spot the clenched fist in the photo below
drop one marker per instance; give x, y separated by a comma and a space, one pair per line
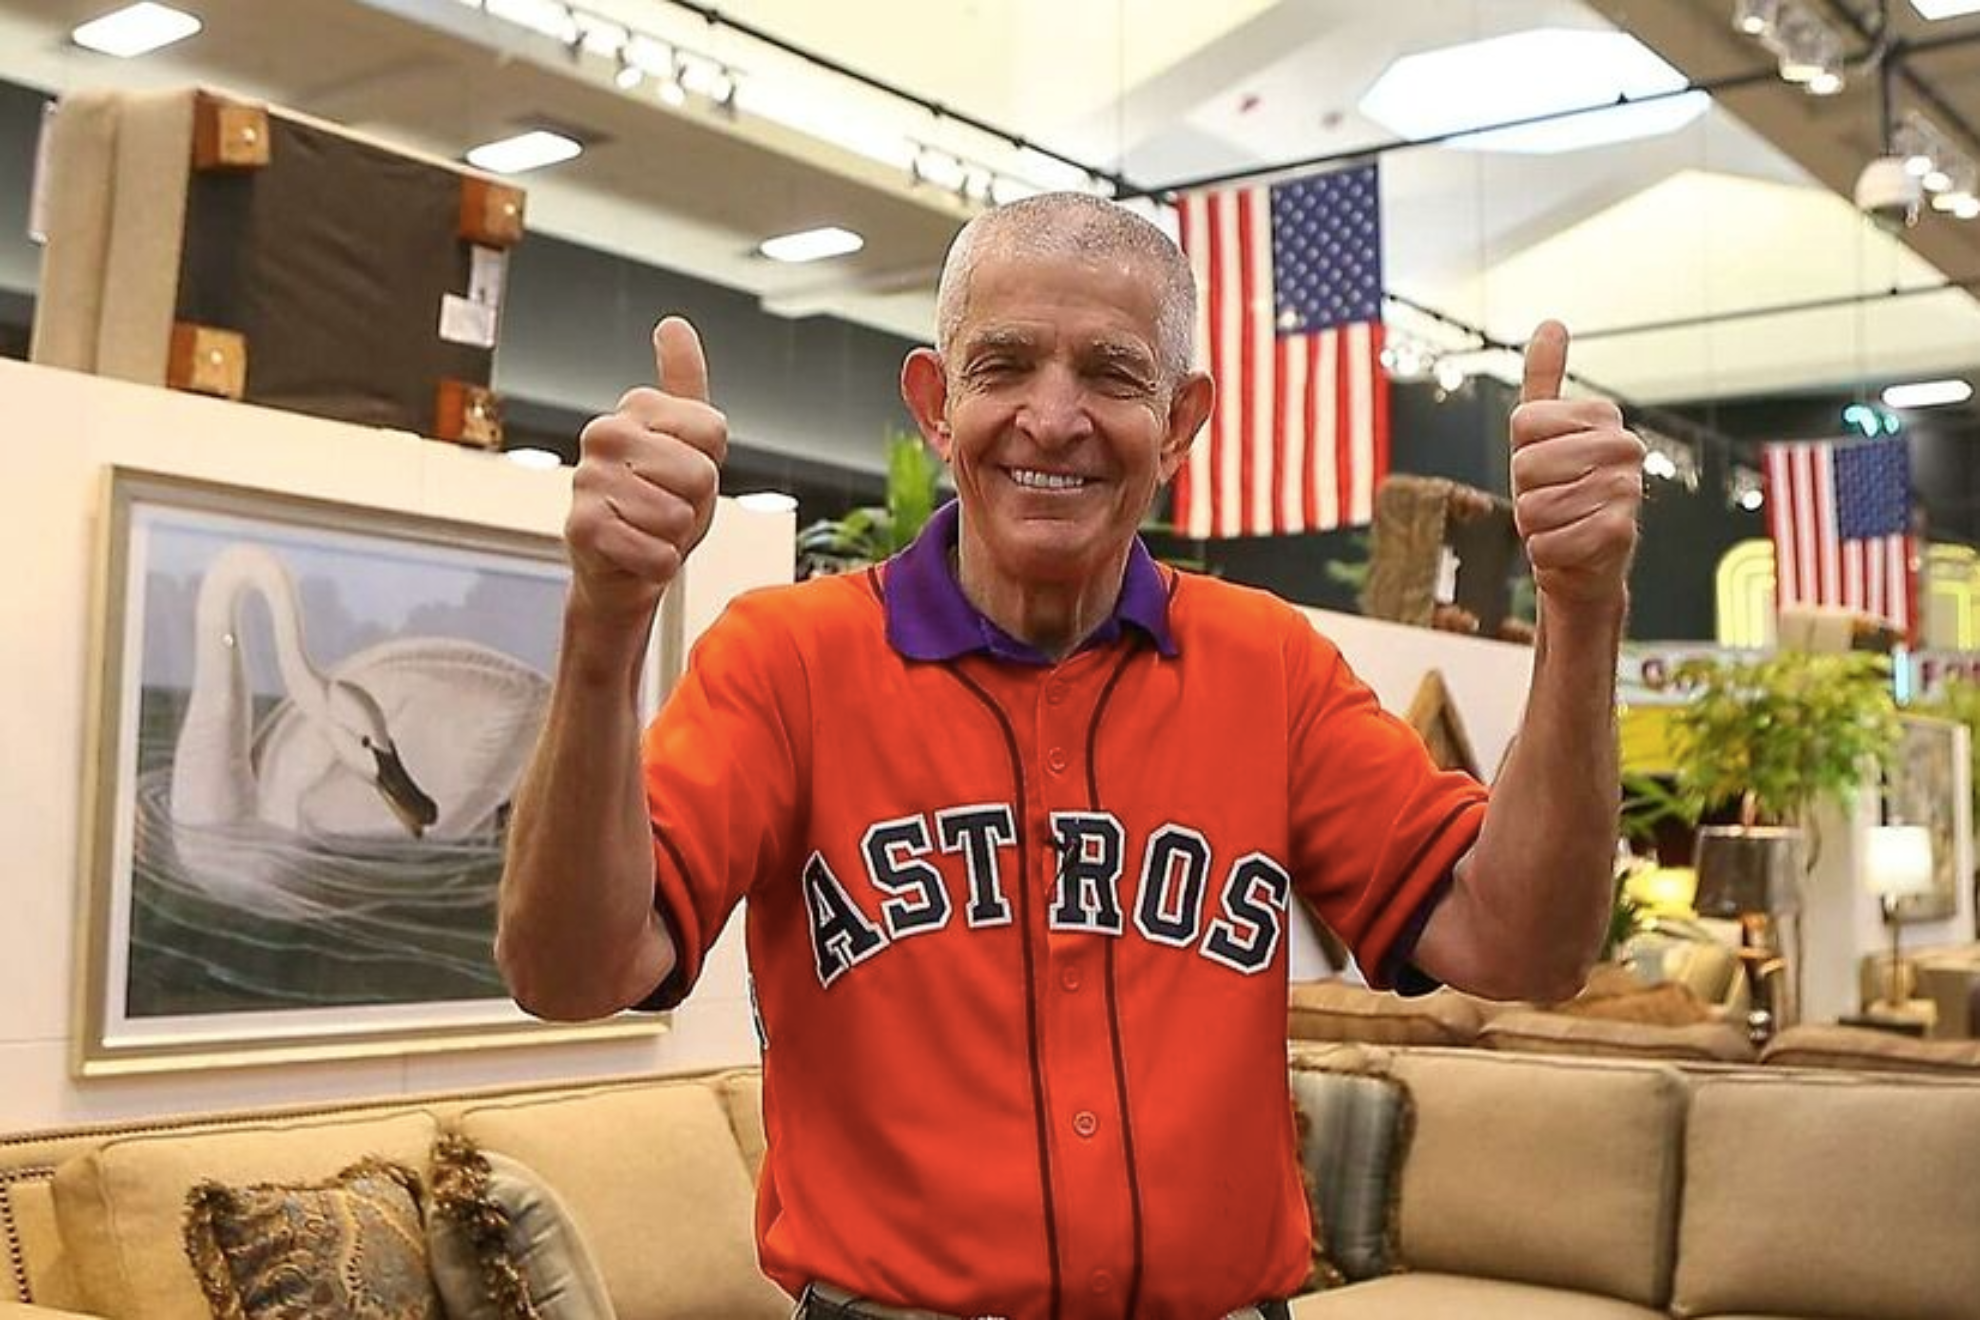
647, 474
1577, 482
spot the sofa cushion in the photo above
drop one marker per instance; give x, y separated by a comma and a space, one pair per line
1450, 1297
1530, 1032
120, 1206
1831, 1197
1816, 1045
654, 1175
1336, 1010
1619, 997
504, 1245
1352, 1142
347, 1248
37, 1263
1551, 1171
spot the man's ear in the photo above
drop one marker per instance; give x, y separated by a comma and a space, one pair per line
925, 391
1189, 408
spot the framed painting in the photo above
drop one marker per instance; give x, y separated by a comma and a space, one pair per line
1927, 784
309, 721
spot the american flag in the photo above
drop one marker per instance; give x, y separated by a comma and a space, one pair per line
1290, 325
1841, 519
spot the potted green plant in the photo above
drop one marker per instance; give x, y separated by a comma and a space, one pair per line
872, 533
1766, 740
1774, 736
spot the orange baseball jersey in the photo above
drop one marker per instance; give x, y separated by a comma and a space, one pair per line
1017, 930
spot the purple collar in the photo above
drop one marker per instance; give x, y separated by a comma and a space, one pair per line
929, 618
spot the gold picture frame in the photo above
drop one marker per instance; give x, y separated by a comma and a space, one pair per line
306, 721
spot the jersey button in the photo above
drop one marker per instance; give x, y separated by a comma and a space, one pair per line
1101, 1281
1069, 978
1085, 1123
1055, 693
1056, 760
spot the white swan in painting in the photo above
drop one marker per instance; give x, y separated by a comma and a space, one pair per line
415, 737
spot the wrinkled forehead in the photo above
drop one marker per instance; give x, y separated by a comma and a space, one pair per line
1106, 301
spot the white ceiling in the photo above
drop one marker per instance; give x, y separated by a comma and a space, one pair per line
1711, 218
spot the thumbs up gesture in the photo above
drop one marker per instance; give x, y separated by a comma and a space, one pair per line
1577, 482
647, 473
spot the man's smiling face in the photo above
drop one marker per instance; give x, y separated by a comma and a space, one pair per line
1058, 413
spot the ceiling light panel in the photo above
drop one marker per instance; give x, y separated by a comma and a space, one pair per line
525, 151
812, 245
135, 30
1529, 74
1945, 8
1928, 394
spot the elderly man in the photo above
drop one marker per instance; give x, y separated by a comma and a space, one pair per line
1021, 814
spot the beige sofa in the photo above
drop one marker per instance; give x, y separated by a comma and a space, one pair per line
660, 1172
1336, 1011
1534, 1187
1539, 1187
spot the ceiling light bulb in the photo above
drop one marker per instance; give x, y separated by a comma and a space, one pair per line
1755, 17
768, 501
1450, 376
135, 30
1918, 166
1826, 83
1967, 208
525, 151
1928, 393
1752, 498
672, 92
627, 77
540, 459
1658, 464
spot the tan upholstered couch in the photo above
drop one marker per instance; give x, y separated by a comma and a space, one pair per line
1335, 1011
1543, 1187
1535, 1187
659, 1171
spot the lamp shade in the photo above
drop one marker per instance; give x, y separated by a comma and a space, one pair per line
1897, 861
1747, 869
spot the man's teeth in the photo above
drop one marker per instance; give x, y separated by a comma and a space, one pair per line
1046, 480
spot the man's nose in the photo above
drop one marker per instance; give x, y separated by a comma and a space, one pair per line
1055, 409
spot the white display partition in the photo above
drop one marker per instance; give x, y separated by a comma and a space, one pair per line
1487, 682
1839, 918
61, 433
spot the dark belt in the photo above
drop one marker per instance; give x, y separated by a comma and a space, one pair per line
813, 1306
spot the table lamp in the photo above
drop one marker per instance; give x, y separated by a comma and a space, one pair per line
1897, 864
1752, 873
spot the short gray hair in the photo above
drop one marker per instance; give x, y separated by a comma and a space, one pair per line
1065, 224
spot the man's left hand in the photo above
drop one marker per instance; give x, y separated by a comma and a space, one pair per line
1577, 482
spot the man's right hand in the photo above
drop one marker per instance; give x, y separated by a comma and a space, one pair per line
644, 492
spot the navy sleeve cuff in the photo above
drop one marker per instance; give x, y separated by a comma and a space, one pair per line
1398, 970
671, 991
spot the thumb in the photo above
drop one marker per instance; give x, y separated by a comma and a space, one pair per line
678, 361
1546, 362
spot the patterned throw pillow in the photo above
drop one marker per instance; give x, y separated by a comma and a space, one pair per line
351, 1248
503, 1244
1354, 1134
